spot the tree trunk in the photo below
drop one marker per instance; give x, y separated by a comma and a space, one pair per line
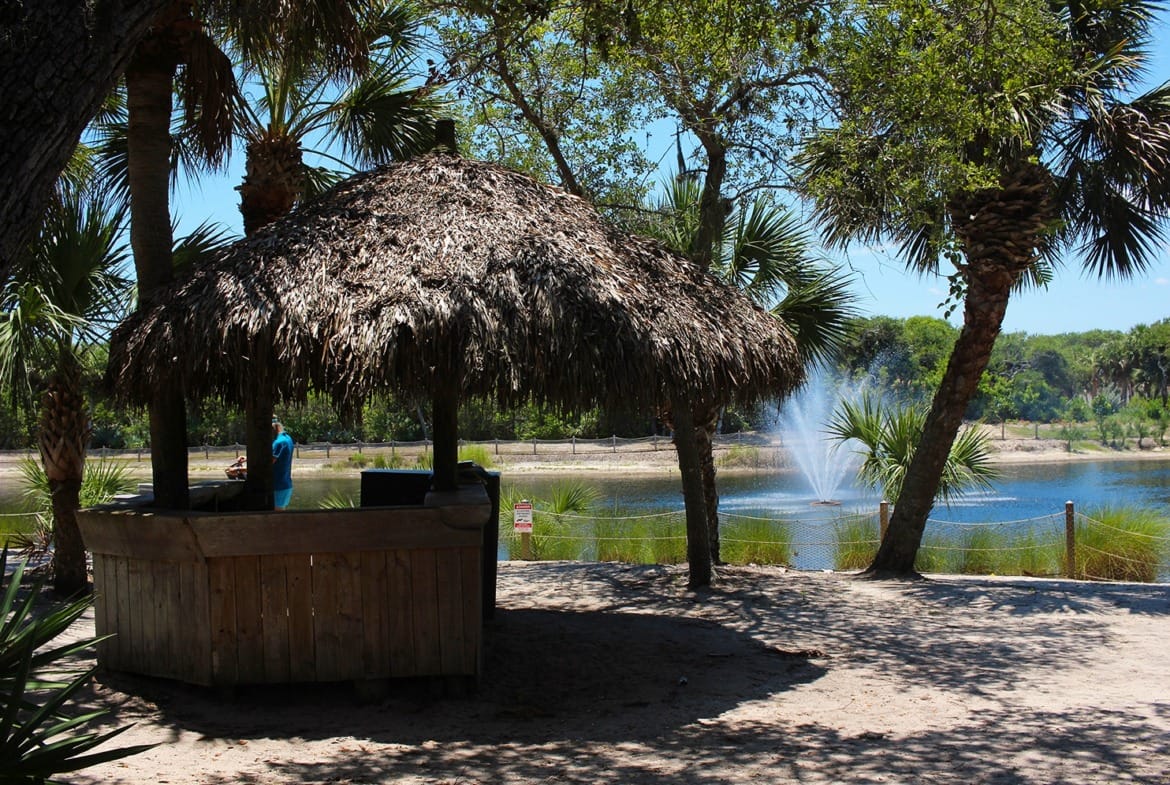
62, 436
274, 180
706, 420
58, 60
1000, 231
690, 467
149, 82
983, 316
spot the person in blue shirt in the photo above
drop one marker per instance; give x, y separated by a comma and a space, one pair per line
282, 455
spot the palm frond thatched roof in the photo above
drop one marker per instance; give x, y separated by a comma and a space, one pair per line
447, 271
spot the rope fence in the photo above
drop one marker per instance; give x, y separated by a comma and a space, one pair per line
758, 449
1068, 544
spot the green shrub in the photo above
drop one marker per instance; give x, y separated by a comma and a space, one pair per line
1121, 544
740, 456
479, 454
102, 481
358, 461
855, 543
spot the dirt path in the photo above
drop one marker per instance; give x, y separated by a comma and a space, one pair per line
607, 673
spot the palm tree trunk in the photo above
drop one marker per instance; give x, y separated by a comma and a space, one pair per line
1000, 230
63, 434
148, 92
983, 316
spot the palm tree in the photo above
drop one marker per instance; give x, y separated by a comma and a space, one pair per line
888, 436
375, 115
1027, 145
764, 251
181, 45
67, 293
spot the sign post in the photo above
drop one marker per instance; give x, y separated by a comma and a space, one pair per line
522, 524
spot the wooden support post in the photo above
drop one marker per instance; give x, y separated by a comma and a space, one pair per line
526, 546
446, 442
1070, 540
884, 517
258, 406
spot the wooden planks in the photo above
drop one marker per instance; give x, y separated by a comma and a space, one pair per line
286, 615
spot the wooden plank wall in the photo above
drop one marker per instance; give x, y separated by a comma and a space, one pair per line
345, 616
153, 612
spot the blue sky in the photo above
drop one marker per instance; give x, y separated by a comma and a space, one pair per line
1072, 303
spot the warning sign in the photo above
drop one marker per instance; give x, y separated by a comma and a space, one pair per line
522, 517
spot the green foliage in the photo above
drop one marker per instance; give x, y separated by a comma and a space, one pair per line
39, 734
855, 542
478, 454
1121, 544
740, 456
103, 480
753, 540
888, 437
338, 500
571, 496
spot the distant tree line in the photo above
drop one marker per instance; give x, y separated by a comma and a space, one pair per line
1111, 385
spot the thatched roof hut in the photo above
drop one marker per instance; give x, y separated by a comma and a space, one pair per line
447, 273
448, 278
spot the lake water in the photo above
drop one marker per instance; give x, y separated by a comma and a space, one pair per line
1024, 491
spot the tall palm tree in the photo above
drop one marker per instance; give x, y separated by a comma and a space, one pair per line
181, 44
67, 292
1025, 146
764, 251
375, 115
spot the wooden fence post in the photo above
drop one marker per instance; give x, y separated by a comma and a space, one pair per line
1070, 540
883, 517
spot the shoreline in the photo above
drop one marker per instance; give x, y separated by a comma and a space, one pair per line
557, 459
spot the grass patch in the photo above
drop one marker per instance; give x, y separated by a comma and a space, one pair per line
1121, 544
855, 543
752, 540
740, 456
478, 454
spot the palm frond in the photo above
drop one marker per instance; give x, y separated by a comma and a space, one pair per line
819, 312
199, 244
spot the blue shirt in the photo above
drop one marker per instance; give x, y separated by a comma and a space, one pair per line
282, 455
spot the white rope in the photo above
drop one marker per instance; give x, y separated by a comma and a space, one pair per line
1127, 532
1051, 518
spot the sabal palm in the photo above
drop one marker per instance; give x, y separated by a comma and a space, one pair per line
765, 252
67, 292
888, 436
1065, 163
374, 115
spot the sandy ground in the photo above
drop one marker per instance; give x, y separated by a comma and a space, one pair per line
607, 673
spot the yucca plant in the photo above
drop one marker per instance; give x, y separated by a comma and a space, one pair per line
38, 736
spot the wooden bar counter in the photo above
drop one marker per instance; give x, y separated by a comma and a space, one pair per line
291, 596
